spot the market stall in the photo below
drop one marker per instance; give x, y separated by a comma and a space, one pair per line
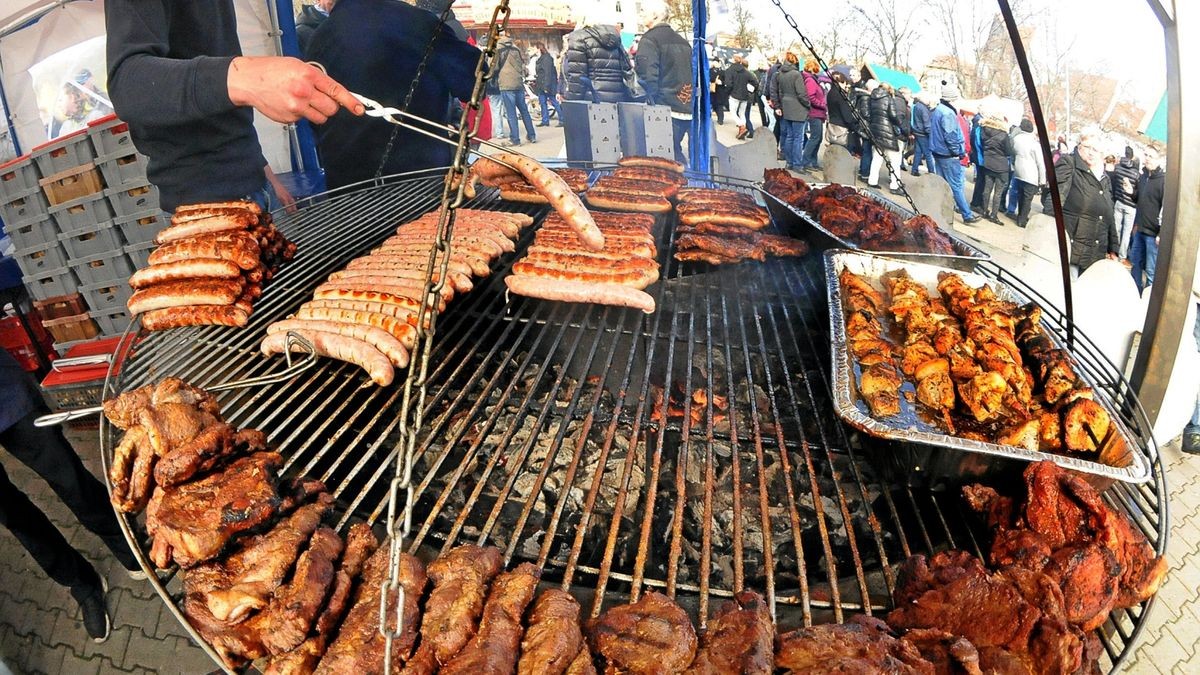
646, 392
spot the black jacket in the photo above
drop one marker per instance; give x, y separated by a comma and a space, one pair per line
1127, 169
307, 22
921, 115
862, 99
546, 81
996, 148
168, 66
596, 53
664, 68
1149, 201
1087, 211
373, 47
738, 78
883, 120
902, 113
838, 105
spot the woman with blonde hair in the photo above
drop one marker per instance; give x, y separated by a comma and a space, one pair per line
817, 114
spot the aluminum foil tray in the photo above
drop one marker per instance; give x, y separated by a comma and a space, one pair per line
908, 425
966, 254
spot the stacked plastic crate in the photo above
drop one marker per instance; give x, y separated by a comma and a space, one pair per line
83, 217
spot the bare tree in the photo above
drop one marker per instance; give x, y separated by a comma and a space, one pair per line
681, 15
892, 27
841, 39
745, 35
978, 43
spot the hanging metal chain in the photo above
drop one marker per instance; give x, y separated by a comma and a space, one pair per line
862, 125
412, 88
399, 523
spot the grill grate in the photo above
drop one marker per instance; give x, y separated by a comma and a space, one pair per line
694, 450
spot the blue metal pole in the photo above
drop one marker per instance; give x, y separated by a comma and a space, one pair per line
305, 140
698, 145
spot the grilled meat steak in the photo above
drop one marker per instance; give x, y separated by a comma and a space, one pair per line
553, 637
740, 639
861, 645
191, 523
948, 654
123, 410
460, 583
652, 635
206, 450
285, 622
359, 646
494, 648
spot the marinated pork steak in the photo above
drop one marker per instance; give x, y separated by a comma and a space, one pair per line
652, 635
861, 645
493, 650
553, 637
740, 639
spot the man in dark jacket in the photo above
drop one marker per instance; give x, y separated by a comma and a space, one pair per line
374, 47
920, 129
996, 148
1143, 247
546, 83
902, 99
664, 67
309, 19
742, 85
596, 66
838, 106
862, 97
1087, 203
1124, 186
196, 122
720, 92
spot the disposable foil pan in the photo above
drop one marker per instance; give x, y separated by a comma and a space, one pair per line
965, 256
908, 425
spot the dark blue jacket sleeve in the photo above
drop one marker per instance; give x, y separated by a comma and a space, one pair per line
147, 87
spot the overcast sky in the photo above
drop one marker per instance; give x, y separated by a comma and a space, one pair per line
1123, 34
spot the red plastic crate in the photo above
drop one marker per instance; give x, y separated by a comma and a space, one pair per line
15, 341
81, 386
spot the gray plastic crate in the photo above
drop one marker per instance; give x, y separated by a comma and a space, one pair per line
122, 168
17, 177
136, 199
111, 137
24, 207
41, 258
78, 214
40, 231
92, 240
112, 321
106, 294
64, 153
141, 227
103, 267
51, 284
139, 254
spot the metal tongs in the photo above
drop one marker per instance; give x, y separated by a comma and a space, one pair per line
373, 108
293, 368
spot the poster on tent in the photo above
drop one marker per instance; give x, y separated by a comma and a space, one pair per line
70, 87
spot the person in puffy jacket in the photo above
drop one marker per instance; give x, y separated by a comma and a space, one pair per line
862, 98
664, 67
995, 149
1028, 168
838, 109
921, 113
1087, 203
817, 114
743, 86
794, 104
884, 122
596, 66
1143, 248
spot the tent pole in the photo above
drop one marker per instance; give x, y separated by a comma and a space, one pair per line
701, 127
300, 134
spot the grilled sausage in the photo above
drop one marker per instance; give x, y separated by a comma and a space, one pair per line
458, 282
398, 328
245, 205
411, 261
651, 162
566, 290
368, 296
494, 240
184, 293
211, 225
376, 337
211, 212
564, 244
608, 256
586, 262
649, 173
461, 229
638, 279
460, 261
625, 201
632, 233
647, 186
562, 199
237, 247
339, 347
198, 315
197, 268
389, 285
405, 314
483, 249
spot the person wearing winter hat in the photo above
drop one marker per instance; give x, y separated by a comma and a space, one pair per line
948, 146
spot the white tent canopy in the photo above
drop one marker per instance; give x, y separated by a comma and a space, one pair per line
66, 23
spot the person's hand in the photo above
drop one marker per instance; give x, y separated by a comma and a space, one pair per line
281, 192
286, 89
